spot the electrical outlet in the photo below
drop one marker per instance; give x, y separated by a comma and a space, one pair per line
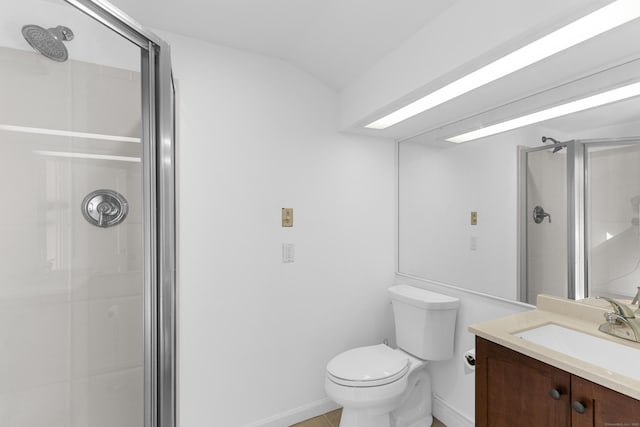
287, 217
474, 218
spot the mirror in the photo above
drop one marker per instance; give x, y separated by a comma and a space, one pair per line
441, 185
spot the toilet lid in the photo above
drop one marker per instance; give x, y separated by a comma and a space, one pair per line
368, 366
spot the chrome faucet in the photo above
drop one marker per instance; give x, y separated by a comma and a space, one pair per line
636, 300
621, 322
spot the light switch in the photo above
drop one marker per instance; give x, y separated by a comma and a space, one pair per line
288, 252
473, 243
287, 217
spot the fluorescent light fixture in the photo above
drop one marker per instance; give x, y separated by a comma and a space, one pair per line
604, 19
608, 97
56, 132
75, 155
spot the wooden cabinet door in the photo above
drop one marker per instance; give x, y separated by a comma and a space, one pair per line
513, 390
603, 407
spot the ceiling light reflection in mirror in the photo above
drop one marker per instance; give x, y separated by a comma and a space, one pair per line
587, 27
583, 104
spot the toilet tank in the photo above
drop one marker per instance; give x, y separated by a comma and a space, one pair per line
425, 321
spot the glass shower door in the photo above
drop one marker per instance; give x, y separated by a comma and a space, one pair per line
588, 198
612, 209
72, 247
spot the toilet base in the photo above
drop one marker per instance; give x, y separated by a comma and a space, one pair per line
351, 418
362, 418
414, 410
425, 422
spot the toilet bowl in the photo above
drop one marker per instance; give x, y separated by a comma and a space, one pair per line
371, 382
379, 386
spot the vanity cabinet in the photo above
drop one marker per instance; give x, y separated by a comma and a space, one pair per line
516, 390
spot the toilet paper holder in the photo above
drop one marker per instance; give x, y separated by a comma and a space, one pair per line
470, 360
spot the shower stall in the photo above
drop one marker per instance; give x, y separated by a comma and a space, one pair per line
579, 206
87, 266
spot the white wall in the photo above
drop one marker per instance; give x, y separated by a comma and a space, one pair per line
438, 189
257, 135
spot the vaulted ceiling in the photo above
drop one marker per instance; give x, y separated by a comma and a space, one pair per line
380, 54
334, 40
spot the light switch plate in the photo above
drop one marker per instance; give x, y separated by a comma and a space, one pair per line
288, 253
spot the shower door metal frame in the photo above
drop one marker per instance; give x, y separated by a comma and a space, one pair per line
158, 139
578, 262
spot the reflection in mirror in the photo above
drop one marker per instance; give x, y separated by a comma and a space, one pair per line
438, 190
441, 185
543, 264
613, 204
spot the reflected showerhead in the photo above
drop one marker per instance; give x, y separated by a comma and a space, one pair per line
48, 42
553, 141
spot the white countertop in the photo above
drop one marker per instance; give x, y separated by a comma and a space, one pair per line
583, 316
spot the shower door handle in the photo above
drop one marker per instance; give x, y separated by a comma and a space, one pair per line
539, 214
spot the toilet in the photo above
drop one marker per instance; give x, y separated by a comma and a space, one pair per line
379, 386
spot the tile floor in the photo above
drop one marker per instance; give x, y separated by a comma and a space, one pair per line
332, 419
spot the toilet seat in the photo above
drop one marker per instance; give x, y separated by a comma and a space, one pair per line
369, 366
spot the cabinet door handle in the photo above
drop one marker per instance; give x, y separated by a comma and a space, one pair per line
555, 393
578, 407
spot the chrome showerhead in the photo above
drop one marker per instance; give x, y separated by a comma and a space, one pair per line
48, 42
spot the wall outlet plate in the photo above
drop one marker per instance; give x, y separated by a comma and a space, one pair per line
287, 217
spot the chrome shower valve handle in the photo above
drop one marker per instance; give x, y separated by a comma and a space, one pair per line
105, 208
539, 215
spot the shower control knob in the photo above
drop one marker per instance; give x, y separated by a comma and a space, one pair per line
105, 208
539, 215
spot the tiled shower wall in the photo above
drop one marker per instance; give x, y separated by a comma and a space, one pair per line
71, 305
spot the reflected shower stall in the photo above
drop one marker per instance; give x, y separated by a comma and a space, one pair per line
579, 219
88, 245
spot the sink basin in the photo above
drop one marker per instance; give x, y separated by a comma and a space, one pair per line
609, 355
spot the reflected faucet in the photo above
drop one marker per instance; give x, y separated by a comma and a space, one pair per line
636, 301
621, 322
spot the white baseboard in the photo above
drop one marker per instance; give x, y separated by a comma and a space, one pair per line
449, 416
296, 415
441, 410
